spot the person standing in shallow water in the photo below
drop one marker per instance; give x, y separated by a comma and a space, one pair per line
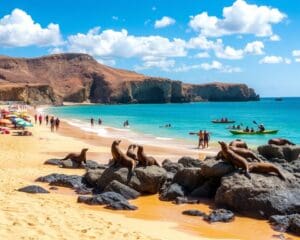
92, 122
99, 121
206, 138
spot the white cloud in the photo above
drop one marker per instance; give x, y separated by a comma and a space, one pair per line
240, 18
215, 65
19, 30
225, 52
296, 53
202, 55
161, 63
255, 48
164, 22
110, 43
275, 38
274, 60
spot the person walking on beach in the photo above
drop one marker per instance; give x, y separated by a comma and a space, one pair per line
35, 118
206, 138
52, 124
99, 121
92, 122
40, 119
57, 122
47, 120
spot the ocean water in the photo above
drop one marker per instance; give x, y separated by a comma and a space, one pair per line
145, 119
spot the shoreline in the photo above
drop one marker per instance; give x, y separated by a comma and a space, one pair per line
22, 162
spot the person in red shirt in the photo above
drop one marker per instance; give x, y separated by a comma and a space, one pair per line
40, 119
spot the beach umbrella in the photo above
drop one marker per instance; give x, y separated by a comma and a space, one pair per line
24, 124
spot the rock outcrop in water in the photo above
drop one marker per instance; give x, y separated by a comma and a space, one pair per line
78, 78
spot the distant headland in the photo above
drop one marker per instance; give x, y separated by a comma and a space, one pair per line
74, 77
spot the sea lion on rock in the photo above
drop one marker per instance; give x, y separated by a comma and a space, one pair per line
265, 168
238, 143
145, 160
280, 142
130, 152
78, 158
235, 159
119, 158
246, 153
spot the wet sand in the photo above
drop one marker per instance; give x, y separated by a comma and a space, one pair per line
58, 216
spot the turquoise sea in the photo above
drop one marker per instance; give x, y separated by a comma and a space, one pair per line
145, 119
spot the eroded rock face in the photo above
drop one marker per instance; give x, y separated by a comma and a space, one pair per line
189, 178
219, 215
289, 223
172, 192
78, 77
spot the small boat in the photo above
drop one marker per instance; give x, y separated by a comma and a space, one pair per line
218, 121
278, 99
236, 132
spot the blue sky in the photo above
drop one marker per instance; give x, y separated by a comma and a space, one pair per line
197, 41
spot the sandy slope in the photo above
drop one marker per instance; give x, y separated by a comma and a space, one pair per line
57, 215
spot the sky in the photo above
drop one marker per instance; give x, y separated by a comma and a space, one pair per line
256, 42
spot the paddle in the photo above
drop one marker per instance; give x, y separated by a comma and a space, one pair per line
255, 122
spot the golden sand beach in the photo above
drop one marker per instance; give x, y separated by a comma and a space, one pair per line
58, 216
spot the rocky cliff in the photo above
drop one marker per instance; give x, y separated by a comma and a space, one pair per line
78, 78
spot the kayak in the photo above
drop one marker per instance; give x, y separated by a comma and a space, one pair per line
217, 121
235, 132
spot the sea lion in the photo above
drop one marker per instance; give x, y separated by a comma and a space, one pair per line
145, 160
265, 168
130, 151
235, 159
246, 153
119, 158
280, 142
78, 158
238, 143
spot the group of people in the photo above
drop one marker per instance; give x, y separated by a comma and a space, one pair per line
203, 138
92, 120
54, 122
260, 127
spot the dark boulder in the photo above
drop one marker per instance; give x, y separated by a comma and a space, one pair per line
262, 195
283, 223
207, 189
219, 215
121, 206
189, 162
33, 189
111, 199
151, 179
185, 200
172, 192
92, 176
63, 180
53, 161
193, 213
122, 189
214, 168
189, 178
172, 167
289, 153
146, 180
